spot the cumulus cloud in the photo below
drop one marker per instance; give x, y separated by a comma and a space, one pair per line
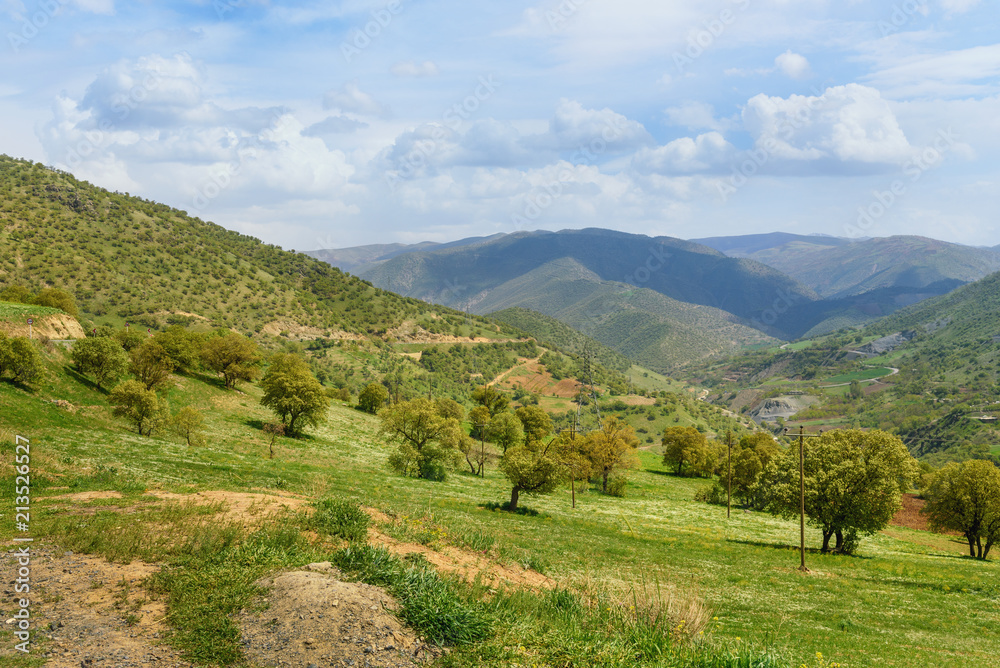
408, 68
849, 123
706, 152
352, 99
793, 65
696, 116
574, 128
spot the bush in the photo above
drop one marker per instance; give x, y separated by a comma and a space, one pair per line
616, 486
714, 494
340, 517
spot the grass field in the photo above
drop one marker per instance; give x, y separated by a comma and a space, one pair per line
907, 599
860, 374
18, 312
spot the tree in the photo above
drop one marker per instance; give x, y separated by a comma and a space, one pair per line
454, 437
17, 294
853, 483
372, 398
479, 417
233, 356
131, 400
130, 338
182, 346
534, 469
101, 356
20, 358
965, 497
150, 364
685, 445
493, 399
536, 423
293, 393
187, 424
611, 448
505, 430
418, 429
449, 408
56, 298
274, 430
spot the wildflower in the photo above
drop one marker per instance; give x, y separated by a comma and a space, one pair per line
819, 655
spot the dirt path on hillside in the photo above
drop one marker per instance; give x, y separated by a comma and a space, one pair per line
521, 362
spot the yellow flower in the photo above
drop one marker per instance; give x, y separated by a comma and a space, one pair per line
819, 655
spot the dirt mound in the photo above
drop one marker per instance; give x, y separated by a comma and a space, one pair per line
94, 613
59, 326
310, 618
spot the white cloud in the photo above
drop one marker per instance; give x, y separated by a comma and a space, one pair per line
793, 65
706, 152
958, 73
574, 127
352, 99
696, 116
846, 124
408, 68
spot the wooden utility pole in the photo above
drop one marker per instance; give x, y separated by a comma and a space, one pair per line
802, 495
729, 482
572, 471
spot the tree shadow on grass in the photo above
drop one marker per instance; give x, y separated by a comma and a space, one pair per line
83, 380
786, 546
505, 507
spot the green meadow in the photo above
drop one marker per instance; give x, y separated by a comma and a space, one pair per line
909, 598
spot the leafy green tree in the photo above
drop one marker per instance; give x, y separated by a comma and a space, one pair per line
56, 298
493, 399
424, 447
372, 398
293, 393
536, 423
130, 338
150, 364
233, 356
102, 357
611, 449
505, 430
20, 358
132, 401
479, 417
449, 408
17, 294
965, 497
685, 445
187, 423
182, 346
854, 481
534, 469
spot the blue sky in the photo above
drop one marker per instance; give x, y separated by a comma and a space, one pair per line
331, 124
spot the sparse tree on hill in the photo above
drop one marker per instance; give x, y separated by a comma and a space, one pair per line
56, 298
187, 424
965, 497
273, 430
131, 400
505, 430
854, 481
101, 356
233, 356
372, 398
534, 469
611, 449
293, 393
424, 449
686, 445
182, 346
20, 358
150, 364
536, 423
449, 408
493, 399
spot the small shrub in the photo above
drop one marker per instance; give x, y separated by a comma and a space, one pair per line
342, 518
714, 494
617, 485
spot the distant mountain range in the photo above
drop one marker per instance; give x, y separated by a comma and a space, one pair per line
665, 301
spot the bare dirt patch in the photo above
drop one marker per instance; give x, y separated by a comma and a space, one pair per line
87, 612
58, 326
244, 508
296, 331
311, 618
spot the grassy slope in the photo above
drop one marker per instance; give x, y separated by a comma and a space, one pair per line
127, 258
906, 600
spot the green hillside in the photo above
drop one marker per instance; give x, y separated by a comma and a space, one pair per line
127, 259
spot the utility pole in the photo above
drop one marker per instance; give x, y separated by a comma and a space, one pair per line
729, 467
802, 495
